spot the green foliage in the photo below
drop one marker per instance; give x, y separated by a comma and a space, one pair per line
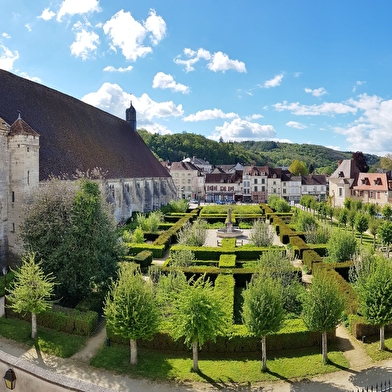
31, 289
278, 204
341, 246
261, 234
182, 258
298, 168
385, 233
149, 222
71, 230
263, 312
227, 261
224, 288
304, 221
193, 234
387, 211
197, 313
361, 224
180, 205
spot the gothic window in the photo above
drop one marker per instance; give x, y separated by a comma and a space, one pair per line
13, 196
28, 177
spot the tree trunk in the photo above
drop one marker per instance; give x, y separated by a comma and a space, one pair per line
263, 354
133, 348
324, 347
195, 354
33, 325
382, 340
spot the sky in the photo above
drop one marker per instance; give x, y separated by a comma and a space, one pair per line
298, 71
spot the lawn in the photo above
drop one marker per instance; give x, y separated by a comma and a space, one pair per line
49, 341
372, 347
239, 368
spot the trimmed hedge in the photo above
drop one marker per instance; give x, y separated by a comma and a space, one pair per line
293, 336
158, 251
227, 261
359, 328
144, 259
62, 319
224, 289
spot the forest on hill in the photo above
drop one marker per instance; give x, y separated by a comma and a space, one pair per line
178, 146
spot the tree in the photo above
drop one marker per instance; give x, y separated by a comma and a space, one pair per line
263, 312
261, 234
371, 209
343, 217
341, 246
361, 225
31, 290
374, 288
360, 161
193, 234
197, 316
373, 229
323, 306
130, 309
351, 219
298, 167
387, 211
385, 233
386, 162
71, 229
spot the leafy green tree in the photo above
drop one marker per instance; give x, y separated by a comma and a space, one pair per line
386, 162
385, 233
180, 205
263, 312
298, 167
371, 209
197, 316
150, 222
374, 288
31, 290
341, 246
348, 203
387, 211
260, 234
373, 229
351, 219
131, 310
360, 160
71, 230
361, 225
343, 217
323, 306
283, 206
306, 201
304, 221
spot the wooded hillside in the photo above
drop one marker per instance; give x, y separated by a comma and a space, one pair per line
275, 154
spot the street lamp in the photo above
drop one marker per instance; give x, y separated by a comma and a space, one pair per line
10, 379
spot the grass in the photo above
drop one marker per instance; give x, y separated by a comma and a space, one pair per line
239, 368
48, 341
372, 348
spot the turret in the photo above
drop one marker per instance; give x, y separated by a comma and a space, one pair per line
130, 116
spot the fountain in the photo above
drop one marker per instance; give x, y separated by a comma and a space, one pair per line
229, 231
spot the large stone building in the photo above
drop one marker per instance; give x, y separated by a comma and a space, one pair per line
44, 132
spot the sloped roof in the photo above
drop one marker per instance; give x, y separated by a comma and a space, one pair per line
347, 169
75, 135
372, 181
223, 178
183, 166
314, 179
20, 127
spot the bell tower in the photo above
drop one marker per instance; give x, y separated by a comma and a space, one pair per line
130, 116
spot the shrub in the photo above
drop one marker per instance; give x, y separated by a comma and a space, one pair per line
341, 246
261, 234
227, 261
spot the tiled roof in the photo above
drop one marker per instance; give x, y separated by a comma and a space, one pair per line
314, 179
75, 135
20, 127
183, 166
373, 181
223, 178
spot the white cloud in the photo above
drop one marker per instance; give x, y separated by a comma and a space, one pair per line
357, 84
7, 58
326, 108
165, 81
47, 14
296, 125
33, 78
128, 34
194, 57
77, 7
221, 62
274, 82
111, 98
28, 27
86, 43
239, 130
5, 35
317, 92
110, 68
254, 117
218, 61
210, 114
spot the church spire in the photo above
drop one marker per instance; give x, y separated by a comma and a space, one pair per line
130, 116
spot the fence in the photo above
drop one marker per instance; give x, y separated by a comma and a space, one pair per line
382, 387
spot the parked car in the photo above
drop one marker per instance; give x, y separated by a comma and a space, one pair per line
220, 202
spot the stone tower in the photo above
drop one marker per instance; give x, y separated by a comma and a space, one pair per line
23, 153
130, 116
4, 186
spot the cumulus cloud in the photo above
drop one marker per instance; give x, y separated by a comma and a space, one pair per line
33, 78
47, 14
110, 68
210, 114
357, 84
274, 82
317, 92
7, 58
86, 43
254, 117
221, 62
165, 81
128, 35
217, 61
77, 7
111, 98
240, 130
296, 125
5, 35
326, 108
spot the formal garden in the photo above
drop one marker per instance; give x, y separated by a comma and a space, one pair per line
177, 308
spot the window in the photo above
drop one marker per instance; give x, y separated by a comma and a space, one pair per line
274, 183
340, 192
255, 180
263, 180
371, 194
284, 191
13, 196
28, 177
263, 188
28, 149
255, 189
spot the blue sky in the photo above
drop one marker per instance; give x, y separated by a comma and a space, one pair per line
301, 71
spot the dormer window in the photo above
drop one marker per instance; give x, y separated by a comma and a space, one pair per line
341, 174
